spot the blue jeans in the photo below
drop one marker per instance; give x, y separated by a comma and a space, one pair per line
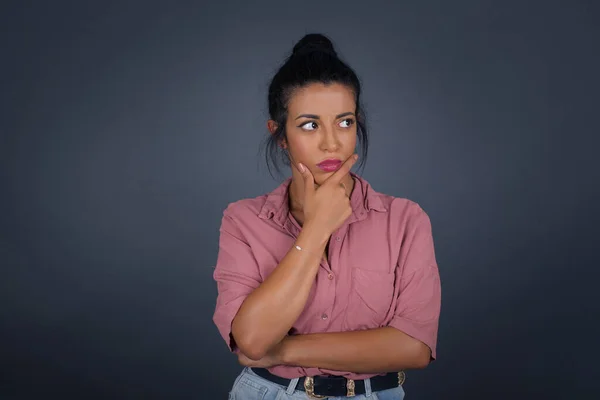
249, 386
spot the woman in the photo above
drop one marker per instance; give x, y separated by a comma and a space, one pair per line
325, 286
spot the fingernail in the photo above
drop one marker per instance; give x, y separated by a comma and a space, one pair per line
301, 167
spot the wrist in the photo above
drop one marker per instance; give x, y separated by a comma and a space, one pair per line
286, 351
314, 236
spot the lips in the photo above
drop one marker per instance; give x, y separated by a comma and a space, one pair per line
330, 165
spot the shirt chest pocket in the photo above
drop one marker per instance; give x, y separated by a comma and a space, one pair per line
370, 299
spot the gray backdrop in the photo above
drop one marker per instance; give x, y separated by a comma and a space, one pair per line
127, 127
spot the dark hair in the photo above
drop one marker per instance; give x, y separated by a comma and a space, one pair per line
313, 60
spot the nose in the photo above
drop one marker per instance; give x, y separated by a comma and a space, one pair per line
329, 140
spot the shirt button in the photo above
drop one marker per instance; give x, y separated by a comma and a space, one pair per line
324, 316
330, 276
337, 239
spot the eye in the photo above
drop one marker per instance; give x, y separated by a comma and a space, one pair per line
309, 126
349, 122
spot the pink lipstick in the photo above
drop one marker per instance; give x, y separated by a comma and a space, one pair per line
330, 165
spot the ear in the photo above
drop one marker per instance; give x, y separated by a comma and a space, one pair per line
272, 126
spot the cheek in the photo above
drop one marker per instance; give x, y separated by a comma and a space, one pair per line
350, 140
300, 146
300, 152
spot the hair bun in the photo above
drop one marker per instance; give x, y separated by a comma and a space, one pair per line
314, 42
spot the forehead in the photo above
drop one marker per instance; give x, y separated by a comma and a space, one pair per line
321, 99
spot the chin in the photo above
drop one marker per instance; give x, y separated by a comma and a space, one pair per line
319, 180
321, 176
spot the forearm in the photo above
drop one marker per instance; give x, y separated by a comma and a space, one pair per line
269, 312
371, 351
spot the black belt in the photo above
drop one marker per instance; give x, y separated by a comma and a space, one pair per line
335, 386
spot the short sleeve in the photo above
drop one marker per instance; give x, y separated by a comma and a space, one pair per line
236, 274
418, 301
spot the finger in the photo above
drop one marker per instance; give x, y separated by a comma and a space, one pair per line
309, 180
345, 190
338, 175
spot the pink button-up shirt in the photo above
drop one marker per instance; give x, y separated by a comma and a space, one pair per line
382, 269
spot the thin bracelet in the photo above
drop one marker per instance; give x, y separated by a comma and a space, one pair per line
301, 249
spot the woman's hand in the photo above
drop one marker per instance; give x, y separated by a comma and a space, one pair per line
329, 204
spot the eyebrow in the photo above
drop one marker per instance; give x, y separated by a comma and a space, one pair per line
313, 116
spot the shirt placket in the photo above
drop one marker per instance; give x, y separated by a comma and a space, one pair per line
328, 276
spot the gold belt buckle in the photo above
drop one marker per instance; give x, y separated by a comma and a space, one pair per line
350, 386
309, 387
401, 378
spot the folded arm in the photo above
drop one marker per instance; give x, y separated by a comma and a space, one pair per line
408, 341
369, 351
252, 315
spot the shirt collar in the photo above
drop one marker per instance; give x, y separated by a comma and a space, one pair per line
362, 200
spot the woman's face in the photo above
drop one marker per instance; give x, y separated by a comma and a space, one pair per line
321, 128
